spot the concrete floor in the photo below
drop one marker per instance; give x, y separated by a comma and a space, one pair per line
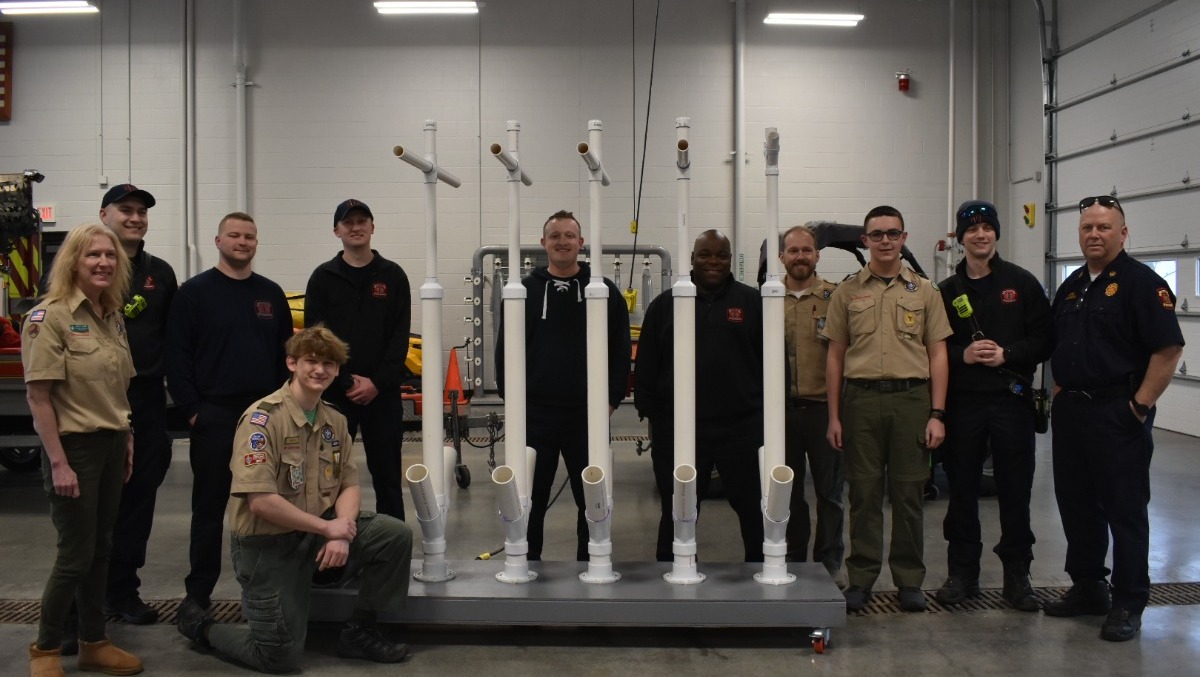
987, 642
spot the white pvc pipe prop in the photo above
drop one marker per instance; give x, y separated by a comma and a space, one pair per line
425, 165
684, 500
775, 521
683, 305
506, 492
592, 160
510, 163
424, 498
596, 293
773, 292
683, 566
595, 497
433, 525
449, 460
514, 514
779, 493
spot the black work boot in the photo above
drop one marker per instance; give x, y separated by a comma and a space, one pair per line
957, 589
362, 641
1018, 591
1091, 598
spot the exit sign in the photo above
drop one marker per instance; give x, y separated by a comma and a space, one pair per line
47, 213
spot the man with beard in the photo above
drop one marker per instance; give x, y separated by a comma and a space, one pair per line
806, 309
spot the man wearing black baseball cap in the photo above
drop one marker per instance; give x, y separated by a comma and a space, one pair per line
365, 299
124, 209
1002, 332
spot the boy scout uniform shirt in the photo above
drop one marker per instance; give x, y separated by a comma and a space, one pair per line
887, 326
277, 451
804, 319
86, 356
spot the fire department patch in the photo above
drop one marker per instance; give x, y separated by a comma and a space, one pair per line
379, 290
735, 315
1008, 296
263, 310
1164, 297
149, 283
1111, 290
254, 458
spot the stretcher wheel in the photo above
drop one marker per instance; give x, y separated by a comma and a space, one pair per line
820, 639
462, 475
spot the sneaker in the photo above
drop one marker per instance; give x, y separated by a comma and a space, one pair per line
358, 641
956, 590
1121, 625
911, 599
1091, 598
132, 610
194, 621
857, 597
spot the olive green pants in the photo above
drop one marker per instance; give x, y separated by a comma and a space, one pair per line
276, 572
883, 434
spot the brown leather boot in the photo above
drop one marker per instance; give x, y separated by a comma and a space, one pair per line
103, 657
47, 663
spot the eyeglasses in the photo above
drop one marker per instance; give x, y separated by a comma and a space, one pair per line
1106, 201
892, 235
966, 214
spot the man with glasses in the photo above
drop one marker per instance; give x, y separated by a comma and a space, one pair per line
365, 300
729, 391
1117, 345
887, 332
1002, 332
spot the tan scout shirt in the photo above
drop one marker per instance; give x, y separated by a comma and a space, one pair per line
803, 320
277, 451
887, 327
87, 358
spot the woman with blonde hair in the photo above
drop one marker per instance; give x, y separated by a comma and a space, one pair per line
77, 370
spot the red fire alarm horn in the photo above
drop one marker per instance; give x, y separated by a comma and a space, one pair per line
903, 80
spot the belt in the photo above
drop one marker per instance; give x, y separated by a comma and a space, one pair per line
804, 403
895, 385
1106, 393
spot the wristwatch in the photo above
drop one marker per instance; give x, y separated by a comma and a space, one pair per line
1142, 410
939, 414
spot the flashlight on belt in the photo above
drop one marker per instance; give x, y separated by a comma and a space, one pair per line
135, 306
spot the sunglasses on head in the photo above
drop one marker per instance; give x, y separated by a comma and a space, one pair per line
1106, 201
966, 214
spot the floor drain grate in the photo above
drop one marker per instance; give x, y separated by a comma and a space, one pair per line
28, 612
483, 440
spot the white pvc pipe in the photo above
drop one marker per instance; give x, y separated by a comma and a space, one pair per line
433, 525
683, 305
739, 138
424, 164
775, 521
514, 514
191, 252
779, 491
597, 496
773, 292
596, 294
683, 568
239, 124
424, 498
950, 166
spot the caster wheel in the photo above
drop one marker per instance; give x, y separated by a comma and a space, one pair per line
819, 645
462, 475
820, 639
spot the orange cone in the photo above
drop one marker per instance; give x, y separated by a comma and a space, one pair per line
453, 380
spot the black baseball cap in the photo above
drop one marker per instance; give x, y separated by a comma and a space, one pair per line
124, 191
346, 207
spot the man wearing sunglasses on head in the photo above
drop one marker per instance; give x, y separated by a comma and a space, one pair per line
1002, 332
887, 332
1117, 345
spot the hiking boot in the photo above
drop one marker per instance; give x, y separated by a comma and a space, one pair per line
103, 657
956, 590
1121, 625
911, 599
45, 662
132, 610
193, 622
1091, 598
857, 597
1018, 591
358, 641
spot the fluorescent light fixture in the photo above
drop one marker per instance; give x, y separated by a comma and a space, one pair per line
450, 7
791, 19
49, 7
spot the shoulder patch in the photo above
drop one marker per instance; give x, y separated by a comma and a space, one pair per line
259, 419
1164, 297
38, 315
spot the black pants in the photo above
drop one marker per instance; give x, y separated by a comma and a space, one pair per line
1102, 483
973, 422
211, 449
807, 422
553, 431
381, 423
151, 461
738, 467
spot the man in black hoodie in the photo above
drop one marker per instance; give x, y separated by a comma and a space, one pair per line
365, 300
729, 391
556, 369
1002, 332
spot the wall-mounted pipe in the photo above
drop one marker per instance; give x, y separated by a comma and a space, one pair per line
952, 129
191, 251
241, 164
739, 138
775, 520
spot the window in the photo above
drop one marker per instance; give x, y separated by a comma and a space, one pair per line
1165, 270
1067, 269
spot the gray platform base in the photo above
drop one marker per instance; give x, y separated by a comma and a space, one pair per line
729, 597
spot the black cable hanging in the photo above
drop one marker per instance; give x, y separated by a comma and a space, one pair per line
637, 209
